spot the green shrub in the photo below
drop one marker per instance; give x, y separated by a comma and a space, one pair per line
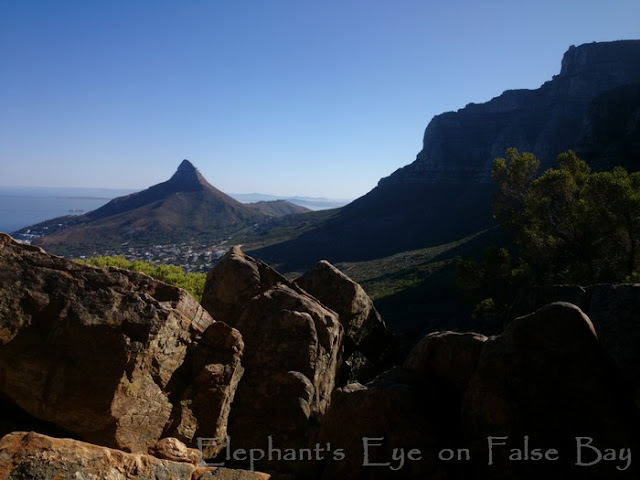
171, 274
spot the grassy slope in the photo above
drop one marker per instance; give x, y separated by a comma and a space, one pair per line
416, 290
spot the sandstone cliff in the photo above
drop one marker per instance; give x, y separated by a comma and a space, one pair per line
460, 146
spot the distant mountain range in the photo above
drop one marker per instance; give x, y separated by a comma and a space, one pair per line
184, 208
312, 203
592, 106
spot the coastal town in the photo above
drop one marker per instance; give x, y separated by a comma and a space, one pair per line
191, 257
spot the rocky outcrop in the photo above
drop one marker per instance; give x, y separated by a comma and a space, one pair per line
37, 457
449, 356
114, 356
235, 280
416, 406
394, 411
612, 308
365, 330
547, 377
460, 146
545, 382
293, 348
119, 359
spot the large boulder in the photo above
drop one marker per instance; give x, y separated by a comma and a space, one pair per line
293, 346
235, 280
292, 356
450, 356
114, 356
364, 328
368, 426
613, 310
413, 407
547, 378
545, 383
203, 388
34, 456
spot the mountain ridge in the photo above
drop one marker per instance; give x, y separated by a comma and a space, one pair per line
445, 193
553, 114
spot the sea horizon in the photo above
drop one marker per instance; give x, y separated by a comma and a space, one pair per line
22, 206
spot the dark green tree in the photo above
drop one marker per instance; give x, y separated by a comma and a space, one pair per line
513, 176
553, 229
492, 283
613, 202
570, 226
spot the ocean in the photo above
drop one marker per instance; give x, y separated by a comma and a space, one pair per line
24, 206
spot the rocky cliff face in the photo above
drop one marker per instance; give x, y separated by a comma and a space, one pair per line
460, 146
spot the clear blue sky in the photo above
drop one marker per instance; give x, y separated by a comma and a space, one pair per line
306, 97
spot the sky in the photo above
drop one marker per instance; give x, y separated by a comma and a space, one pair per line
285, 97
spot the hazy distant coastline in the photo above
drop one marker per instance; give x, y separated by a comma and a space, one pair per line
312, 203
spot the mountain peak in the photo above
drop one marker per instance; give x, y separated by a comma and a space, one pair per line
187, 177
186, 166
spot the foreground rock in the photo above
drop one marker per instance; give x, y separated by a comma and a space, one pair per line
293, 350
113, 356
548, 377
613, 309
448, 356
235, 280
413, 407
170, 448
293, 345
38, 457
365, 330
546, 382
368, 422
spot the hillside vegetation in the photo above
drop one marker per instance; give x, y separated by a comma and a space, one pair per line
171, 274
570, 225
